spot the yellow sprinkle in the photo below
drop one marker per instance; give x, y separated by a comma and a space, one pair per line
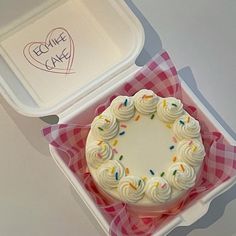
182, 167
144, 178
194, 148
169, 126
174, 159
137, 117
132, 186
126, 171
107, 120
115, 142
100, 142
147, 96
164, 103
187, 119
100, 116
156, 184
112, 170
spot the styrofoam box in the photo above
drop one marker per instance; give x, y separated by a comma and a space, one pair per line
65, 58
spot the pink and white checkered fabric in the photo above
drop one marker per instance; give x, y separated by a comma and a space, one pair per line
220, 163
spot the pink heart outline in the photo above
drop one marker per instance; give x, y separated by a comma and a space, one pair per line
31, 59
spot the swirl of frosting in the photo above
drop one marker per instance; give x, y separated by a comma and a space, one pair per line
110, 173
145, 101
131, 189
98, 153
169, 109
186, 127
158, 189
191, 151
122, 107
181, 176
105, 126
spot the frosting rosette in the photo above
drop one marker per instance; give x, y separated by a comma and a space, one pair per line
122, 107
145, 101
105, 126
191, 151
110, 173
181, 176
158, 189
131, 189
98, 153
186, 127
169, 109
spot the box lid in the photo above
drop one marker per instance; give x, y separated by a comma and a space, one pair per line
59, 51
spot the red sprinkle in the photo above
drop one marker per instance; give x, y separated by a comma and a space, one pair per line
114, 150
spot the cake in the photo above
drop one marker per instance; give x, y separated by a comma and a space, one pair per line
145, 150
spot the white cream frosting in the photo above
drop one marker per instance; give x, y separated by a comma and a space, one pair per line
105, 126
122, 107
181, 178
131, 189
145, 101
186, 127
158, 189
110, 173
169, 109
191, 151
98, 153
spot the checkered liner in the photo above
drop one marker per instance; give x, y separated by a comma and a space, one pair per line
160, 76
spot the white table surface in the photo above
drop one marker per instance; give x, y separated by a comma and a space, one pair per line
36, 198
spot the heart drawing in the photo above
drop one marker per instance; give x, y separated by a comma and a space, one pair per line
55, 54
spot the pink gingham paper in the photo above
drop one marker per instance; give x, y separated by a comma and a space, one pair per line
219, 165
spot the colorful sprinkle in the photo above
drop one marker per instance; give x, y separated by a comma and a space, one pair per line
132, 186
171, 147
190, 142
115, 142
162, 174
152, 172
181, 122
120, 105
116, 175
174, 159
114, 150
100, 128
188, 119
174, 139
137, 117
126, 101
99, 155
121, 157
113, 170
100, 116
108, 121
147, 96
144, 178
164, 103
122, 133
182, 167
169, 126
156, 184
139, 182
127, 171
173, 104
163, 186
152, 116
99, 143
194, 148
174, 173
123, 126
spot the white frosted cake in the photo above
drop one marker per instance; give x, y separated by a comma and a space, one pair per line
145, 150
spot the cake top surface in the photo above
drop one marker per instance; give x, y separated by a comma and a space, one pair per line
144, 149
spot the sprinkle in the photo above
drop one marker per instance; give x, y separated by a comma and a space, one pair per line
132, 186
100, 116
156, 184
174, 158
190, 142
147, 96
123, 126
114, 150
116, 175
152, 172
121, 157
125, 103
169, 126
100, 142
174, 139
164, 103
100, 128
139, 182
144, 178
115, 142
127, 171
194, 148
107, 121
188, 119
120, 105
182, 167
163, 186
174, 173
99, 155
137, 117
122, 133
152, 116
162, 174
172, 147
181, 122
113, 170
173, 104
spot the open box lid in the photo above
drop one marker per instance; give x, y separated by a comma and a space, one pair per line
58, 52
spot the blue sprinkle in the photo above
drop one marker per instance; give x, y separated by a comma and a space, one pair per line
152, 172
126, 101
116, 175
181, 122
122, 133
172, 147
